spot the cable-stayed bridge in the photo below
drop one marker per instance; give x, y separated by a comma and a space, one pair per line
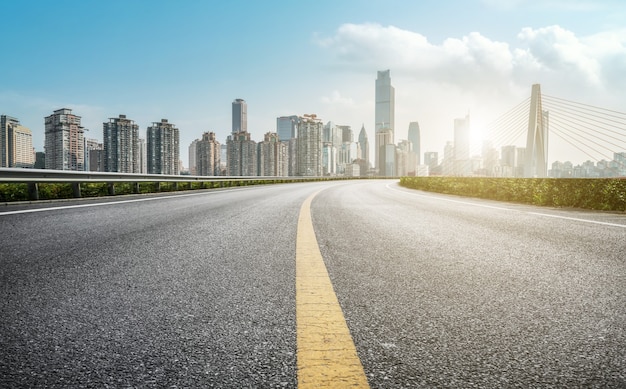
517, 142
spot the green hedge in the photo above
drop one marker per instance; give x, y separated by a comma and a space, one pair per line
600, 194
52, 191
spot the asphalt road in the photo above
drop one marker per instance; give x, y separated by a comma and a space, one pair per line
198, 290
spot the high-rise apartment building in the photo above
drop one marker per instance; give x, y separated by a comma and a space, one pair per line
309, 146
240, 116
64, 143
384, 120
143, 156
208, 155
121, 145
287, 130
193, 148
94, 155
241, 154
16, 144
272, 156
163, 153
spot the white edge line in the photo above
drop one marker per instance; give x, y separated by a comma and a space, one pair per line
110, 202
509, 209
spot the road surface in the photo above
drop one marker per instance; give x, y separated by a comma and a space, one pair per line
199, 289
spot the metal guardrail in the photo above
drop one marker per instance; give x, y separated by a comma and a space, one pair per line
33, 177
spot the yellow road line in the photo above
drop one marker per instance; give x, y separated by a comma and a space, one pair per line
327, 357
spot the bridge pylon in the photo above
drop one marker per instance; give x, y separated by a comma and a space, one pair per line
536, 163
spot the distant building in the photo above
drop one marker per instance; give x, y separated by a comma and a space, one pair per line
208, 155
406, 164
241, 155
353, 170
431, 159
384, 121
240, 116
287, 127
414, 138
346, 150
16, 144
309, 146
389, 152
192, 157
287, 130
94, 155
143, 156
64, 142
40, 160
120, 137
447, 164
272, 156
385, 153
331, 141
163, 148
364, 147
462, 164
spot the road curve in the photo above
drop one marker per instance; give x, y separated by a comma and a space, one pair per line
198, 290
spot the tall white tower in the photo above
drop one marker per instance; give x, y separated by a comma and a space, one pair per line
536, 164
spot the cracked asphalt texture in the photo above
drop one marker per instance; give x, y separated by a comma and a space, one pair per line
199, 291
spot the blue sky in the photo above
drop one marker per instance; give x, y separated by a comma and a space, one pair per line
188, 60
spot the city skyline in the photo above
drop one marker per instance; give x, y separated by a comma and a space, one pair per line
482, 58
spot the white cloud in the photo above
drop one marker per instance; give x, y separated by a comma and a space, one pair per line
559, 50
477, 62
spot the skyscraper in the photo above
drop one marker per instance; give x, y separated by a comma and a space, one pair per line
240, 116
385, 120
364, 146
16, 144
287, 127
309, 146
65, 143
121, 145
414, 138
208, 154
163, 148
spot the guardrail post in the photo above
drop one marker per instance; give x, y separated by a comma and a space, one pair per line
76, 189
136, 187
33, 191
176, 186
157, 187
111, 188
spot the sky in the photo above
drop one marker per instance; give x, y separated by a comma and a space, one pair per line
188, 60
